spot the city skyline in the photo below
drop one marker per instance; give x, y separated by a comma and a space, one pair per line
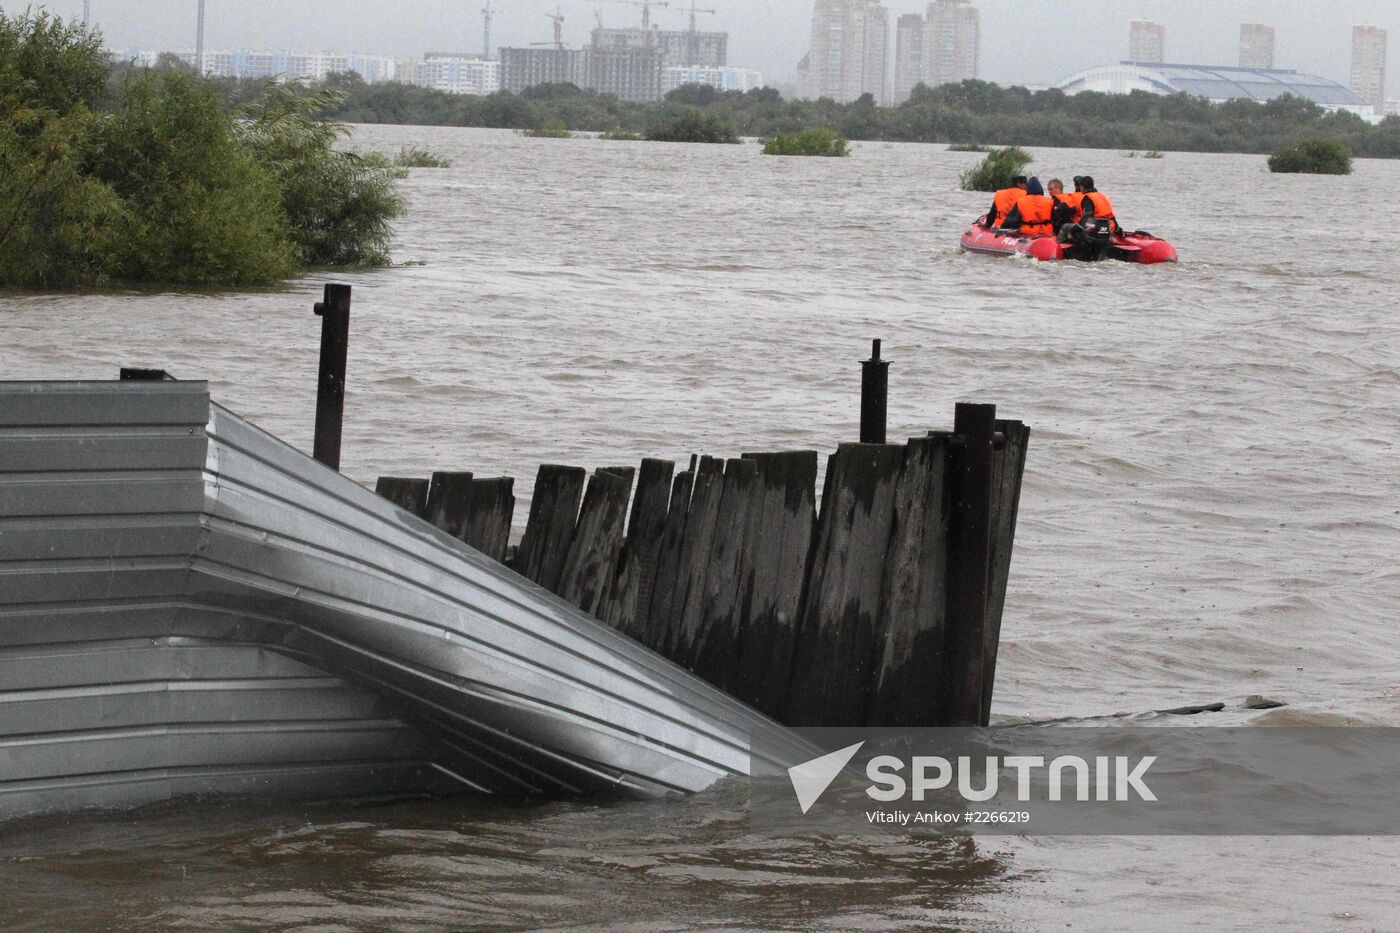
768, 35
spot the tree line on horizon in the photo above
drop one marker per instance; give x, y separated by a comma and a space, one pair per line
969, 112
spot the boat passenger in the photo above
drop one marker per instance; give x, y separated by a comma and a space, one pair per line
1097, 205
1066, 205
1003, 201
1034, 212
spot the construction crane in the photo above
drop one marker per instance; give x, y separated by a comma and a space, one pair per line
199, 42
87, 12
692, 48
486, 14
646, 6
558, 17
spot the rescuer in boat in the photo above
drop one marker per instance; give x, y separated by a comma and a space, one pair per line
1067, 209
1097, 205
1033, 213
1003, 201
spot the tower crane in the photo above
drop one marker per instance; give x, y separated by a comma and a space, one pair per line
486, 14
646, 6
558, 17
692, 49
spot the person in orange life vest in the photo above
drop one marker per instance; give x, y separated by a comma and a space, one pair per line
1004, 200
1097, 205
1066, 205
1033, 213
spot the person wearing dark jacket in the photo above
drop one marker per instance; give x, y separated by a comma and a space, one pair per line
1003, 201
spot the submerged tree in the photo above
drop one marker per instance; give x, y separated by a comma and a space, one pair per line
167, 184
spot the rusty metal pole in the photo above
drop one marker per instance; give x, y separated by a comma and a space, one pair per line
334, 311
874, 396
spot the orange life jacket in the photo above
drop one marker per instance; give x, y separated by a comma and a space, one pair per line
1002, 203
1036, 211
1075, 199
1103, 207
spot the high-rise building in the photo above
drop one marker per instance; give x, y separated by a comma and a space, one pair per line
527, 67
625, 73
460, 73
1256, 46
722, 78
1145, 42
1368, 64
951, 42
680, 47
908, 56
850, 51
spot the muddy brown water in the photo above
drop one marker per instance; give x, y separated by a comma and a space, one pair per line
1212, 508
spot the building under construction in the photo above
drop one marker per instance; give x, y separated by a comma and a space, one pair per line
679, 47
627, 63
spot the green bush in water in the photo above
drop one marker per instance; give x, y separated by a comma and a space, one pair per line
1313, 156
340, 205
996, 171
691, 126
550, 129
413, 157
168, 185
618, 134
967, 147
197, 208
813, 141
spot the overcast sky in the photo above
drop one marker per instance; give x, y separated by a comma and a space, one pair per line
1023, 41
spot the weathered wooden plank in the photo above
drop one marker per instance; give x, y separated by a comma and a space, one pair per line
688, 601
633, 584
1008, 470
969, 565
909, 645
835, 652
592, 561
549, 531
660, 609
487, 525
450, 501
407, 493
716, 640
785, 515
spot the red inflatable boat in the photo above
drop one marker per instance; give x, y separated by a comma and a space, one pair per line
1139, 246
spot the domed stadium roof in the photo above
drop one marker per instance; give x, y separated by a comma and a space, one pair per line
1214, 82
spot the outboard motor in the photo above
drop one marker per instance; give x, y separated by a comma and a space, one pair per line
1091, 241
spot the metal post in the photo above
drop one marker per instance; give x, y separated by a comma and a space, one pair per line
199, 42
874, 396
334, 312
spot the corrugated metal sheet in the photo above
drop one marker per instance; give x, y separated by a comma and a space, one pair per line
167, 570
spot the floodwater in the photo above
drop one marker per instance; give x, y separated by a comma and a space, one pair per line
1211, 509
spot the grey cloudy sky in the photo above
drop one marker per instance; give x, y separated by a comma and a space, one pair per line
1023, 41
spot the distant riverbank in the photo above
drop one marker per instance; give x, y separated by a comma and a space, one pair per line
971, 112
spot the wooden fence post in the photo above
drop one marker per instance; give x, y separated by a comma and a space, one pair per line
549, 531
969, 565
407, 493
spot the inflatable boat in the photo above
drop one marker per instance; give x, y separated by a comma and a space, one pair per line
1138, 246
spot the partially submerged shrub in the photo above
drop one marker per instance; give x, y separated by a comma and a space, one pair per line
813, 141
1313, 156
1153, 154
996, 170
169, 186
550, 129
413, 157
197, 208
692, 126
967, 147
340, 205
618, 134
